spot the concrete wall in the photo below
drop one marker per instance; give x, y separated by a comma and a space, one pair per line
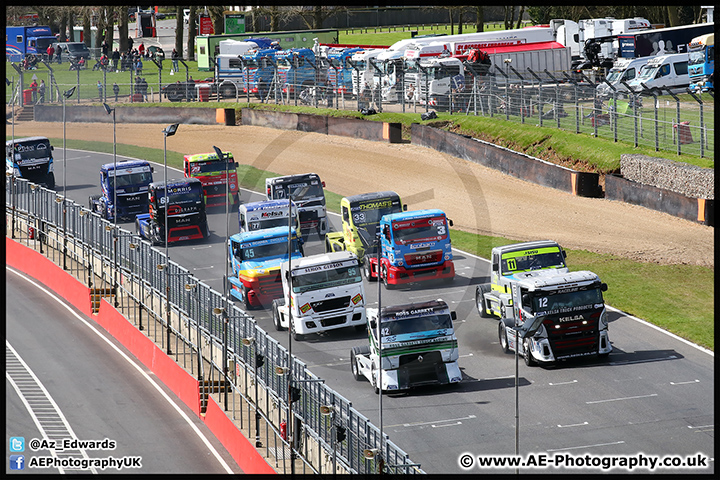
97, 114
688, 180
507, 161
694, 209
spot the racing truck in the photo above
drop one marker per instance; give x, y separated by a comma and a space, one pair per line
256, 216
306, 190
415, 247
31, 158
568, 311
133, 178
186, 216
327, 294
361, 216
492, 299
212, 173
255, 259
416, 346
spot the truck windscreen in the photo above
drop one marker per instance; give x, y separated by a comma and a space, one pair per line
326, 278
133, 179
419, 230
513, 262
32, 150
211, 166
566, 300
415, 324
299, 191
261, 252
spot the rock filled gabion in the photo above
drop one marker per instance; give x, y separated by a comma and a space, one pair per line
689, 180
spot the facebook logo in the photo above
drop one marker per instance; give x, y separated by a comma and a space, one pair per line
17, 444
17, 462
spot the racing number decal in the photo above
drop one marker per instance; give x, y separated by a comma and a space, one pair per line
511, 264
542, 302
359, 217
385, 331
441, 229
195, 168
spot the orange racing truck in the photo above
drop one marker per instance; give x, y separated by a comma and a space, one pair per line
214, 174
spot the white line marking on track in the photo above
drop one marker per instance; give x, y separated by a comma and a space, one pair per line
433, 422
670, 357
573, 425
562, 383
585, 446
621, 398
685, 383
702, 426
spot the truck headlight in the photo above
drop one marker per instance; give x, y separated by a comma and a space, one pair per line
51, 168
603, 320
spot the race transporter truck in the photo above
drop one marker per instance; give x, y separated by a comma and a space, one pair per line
212, 172
568, 309
133, 178
417, 344
415, 247
255, 259
491, 299
186, 216
255, 216
361, 216
327, 293
306, 190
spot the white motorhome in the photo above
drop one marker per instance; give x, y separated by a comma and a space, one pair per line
235, 47
575, 34
623, 70
663, 72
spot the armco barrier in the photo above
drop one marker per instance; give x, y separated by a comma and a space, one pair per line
165, 368
694, 209
524, 167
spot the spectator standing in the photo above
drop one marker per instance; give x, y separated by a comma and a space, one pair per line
33, 87
41, 91
104, 48
50, 53
141, 49
58, 54
175, 57
139, 66
130, 44
115, 58
100, 90
116, 91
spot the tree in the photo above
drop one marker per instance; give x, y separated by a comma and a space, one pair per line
179, 27
217, 18
123, 27
520, 17
192, 33
480, 18
314, 17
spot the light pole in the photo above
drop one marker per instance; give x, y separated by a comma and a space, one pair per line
258, 361
379, 339
222, 157
67, 94
190, 287
167, 132
223, 313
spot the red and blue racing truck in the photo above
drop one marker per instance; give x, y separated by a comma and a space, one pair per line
415, 247
186, 218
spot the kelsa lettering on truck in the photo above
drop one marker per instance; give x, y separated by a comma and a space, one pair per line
273, 214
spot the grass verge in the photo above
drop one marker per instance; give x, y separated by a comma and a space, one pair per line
678, 298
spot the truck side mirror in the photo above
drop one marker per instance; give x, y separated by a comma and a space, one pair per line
564, 253
52, 148
404, 208
603, 287
526, 300
450, 222
453, 315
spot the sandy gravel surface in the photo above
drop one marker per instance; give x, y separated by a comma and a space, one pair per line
476, 198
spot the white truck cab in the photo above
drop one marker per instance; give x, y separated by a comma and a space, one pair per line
327, 293
255, 216
664, 72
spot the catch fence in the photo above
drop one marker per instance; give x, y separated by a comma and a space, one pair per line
232, 357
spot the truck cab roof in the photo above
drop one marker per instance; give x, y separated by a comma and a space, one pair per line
401, 312
322, 258
543, 279
412, 215
266, 205
124, 165
516, 247
265, 234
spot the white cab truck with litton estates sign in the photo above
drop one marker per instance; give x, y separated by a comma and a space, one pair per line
567, 313
327, 293
264, 214
415, 345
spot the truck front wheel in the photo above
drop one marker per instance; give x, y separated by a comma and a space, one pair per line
354, 365
480, 300
276, 316
502, 336
388, 285
529, 360
367, 270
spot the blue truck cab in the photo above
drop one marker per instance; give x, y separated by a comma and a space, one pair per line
255, 258
297, 70
133, 178
339, 70
415, 247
